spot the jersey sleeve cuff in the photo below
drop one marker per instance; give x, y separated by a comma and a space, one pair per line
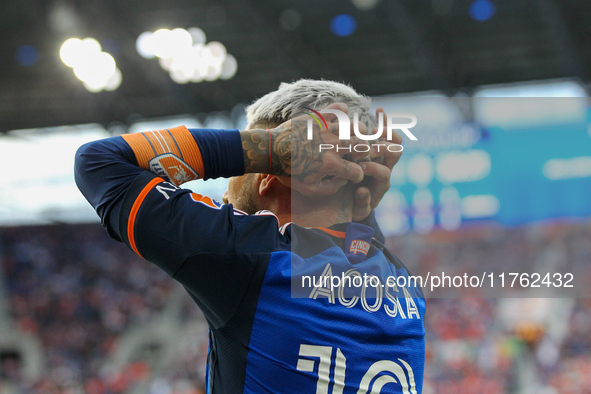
221, 151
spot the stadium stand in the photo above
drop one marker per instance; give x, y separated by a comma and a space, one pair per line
81, 313
78, 293
477, 344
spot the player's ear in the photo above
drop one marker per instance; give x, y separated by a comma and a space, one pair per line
225, 197
267, 183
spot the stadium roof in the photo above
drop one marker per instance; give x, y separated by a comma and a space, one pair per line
398, 46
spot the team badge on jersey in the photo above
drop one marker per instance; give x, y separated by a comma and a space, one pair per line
359, 245
172, 168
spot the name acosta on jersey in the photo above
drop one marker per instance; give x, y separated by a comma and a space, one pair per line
387, 295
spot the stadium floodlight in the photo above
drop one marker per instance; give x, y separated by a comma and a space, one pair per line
74, 50
160, 41
186, 56
95, 68
94, 85
180, 76
197, 35
69, 51
217, 50
97, 85
180, 40
144, 46
114, 81
213, 72
90, 45
229, 67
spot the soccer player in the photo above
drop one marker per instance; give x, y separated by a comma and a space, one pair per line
263, 267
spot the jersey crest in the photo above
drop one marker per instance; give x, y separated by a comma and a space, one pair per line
172, 168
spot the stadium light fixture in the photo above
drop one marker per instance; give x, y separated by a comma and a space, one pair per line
96, 69
186, 56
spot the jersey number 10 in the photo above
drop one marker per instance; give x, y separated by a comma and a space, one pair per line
375, 376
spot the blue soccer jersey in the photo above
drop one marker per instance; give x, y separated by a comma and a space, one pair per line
277, 323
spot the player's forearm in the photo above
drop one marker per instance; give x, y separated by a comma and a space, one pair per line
267, 151
105, 169
179, 155
283, 151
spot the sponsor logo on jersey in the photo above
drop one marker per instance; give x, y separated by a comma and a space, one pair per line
359, 245
172, 168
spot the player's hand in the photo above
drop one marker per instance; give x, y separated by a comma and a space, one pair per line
377, 173
313, 171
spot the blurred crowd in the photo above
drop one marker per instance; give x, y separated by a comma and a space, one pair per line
77, 292
505, 345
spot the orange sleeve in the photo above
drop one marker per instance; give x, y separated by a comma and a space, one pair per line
172, 154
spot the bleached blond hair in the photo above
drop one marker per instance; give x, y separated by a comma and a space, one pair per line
291, 98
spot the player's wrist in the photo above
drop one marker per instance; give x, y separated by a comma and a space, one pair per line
266, 151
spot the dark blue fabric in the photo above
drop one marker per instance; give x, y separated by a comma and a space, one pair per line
221, 151
238, 269
371, 221
375, 338
104, 170
357, 233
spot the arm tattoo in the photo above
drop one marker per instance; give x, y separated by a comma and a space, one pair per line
292, 154
255, 147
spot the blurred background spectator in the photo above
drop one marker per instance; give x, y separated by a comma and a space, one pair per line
498, 180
